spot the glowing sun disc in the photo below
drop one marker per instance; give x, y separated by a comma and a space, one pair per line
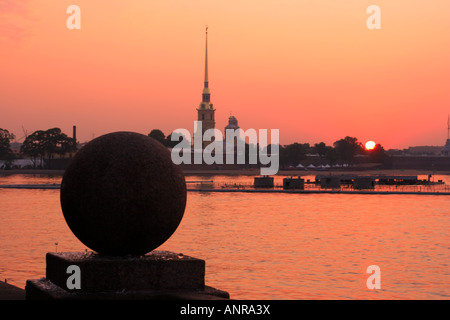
370, 145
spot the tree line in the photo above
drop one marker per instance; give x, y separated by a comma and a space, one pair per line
45, 144
342, 151
39, 146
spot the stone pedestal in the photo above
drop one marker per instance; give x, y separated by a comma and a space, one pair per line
156, 275
122, 196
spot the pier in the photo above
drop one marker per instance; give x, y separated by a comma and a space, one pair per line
309, 188
30, 186
324, 191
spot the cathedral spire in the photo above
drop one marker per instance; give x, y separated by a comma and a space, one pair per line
206, 95
205, 111
206, 59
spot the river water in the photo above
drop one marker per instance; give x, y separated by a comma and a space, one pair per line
265, 245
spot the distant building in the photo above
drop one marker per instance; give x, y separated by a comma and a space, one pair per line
425, 150
394, 152
232, 125
446, 149
231, 145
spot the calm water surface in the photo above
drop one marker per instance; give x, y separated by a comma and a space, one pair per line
265, 246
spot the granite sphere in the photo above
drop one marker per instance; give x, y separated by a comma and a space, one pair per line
121, 194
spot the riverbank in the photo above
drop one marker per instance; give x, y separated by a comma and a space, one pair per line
256, 172
10, 292
31, 171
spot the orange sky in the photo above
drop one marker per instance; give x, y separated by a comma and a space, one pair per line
309, 68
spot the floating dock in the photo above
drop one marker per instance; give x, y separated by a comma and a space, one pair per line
329, 191
30, 186
299, 189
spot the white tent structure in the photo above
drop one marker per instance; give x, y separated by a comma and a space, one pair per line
22, 163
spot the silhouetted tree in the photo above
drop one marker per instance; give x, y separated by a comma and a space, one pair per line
321, 149
158, 135
378, 154
284, 162
331, 155
5, 140
348, 148
57, 142
270, 148
45, 144
293, 154
176, 136
307, 148
5, 147
33, 146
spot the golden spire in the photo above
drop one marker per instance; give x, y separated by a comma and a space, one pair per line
206, 95
206, 59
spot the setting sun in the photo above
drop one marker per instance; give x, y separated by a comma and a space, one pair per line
370, 145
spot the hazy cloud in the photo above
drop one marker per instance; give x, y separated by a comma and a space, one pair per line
14, 19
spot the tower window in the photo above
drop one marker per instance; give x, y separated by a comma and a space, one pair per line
203, 117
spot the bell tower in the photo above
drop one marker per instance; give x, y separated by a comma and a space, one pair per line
206, 110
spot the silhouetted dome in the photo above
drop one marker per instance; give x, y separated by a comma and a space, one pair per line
232, 123
446, 149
